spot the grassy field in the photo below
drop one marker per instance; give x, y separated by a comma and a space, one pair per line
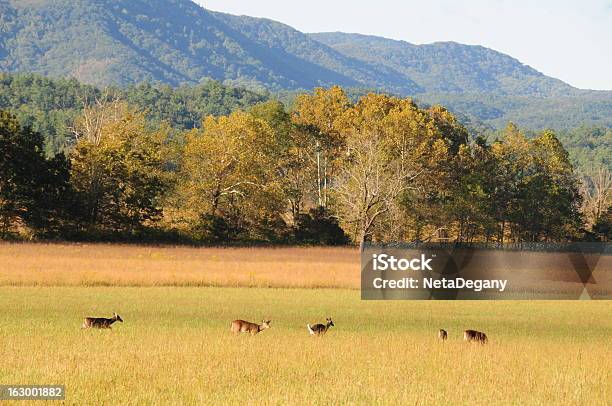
131, 265
175, 346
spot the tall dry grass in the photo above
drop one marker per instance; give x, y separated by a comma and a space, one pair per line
130, 265
298, 267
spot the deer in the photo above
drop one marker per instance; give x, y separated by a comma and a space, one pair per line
442, 335
473, 335
100, 322
241, 326
320, 329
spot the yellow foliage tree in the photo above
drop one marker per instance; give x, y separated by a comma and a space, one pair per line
117, 167
318, 113
228, 174
390, 146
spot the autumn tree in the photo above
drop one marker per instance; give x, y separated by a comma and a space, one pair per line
117, 168
596, 190
450, 129
442, 207
317, 114
227, 182
390, 144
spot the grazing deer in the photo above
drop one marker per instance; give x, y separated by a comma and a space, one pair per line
442, 335
473, 335
320, 329
100, 322
241, 326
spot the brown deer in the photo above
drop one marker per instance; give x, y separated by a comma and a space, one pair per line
241, 326
473, 335
442, 335
320, 329
100, 322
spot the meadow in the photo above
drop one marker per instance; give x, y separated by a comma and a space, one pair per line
175, 346
24, 264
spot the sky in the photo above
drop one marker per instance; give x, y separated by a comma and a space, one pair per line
569, 40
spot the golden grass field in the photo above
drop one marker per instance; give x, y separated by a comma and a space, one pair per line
175, 346
131, 265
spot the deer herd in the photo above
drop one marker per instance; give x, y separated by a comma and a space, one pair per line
242, 326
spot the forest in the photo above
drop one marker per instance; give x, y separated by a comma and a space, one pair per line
217, 165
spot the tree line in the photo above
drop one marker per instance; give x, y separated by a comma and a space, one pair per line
327, 171
50, 106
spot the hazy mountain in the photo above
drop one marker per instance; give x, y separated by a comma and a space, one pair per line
449, 67
173, 41
176, 42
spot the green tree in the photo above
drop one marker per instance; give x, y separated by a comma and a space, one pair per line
603, 225
295, 157
535, 194
32, 187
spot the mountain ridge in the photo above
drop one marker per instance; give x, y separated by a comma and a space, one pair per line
465, 60
122, 42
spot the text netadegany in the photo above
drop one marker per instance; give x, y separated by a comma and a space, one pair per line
477, 285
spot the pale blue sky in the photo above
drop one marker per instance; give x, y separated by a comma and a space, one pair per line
567, 39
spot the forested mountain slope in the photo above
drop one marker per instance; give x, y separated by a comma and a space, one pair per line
175, 42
